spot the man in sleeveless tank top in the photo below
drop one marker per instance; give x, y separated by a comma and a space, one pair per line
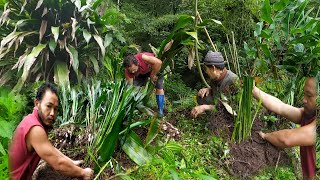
222, 79
139, 67
304, 136
30, 141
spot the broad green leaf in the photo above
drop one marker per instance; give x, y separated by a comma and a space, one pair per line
30, 60
136, 124
74, 61
95, 63
61, 74
266, 33
74, 24
134, 149
183, 21
217, 22
52, 45
39, 4
100, 43
9, 38
152, 131
280, 5
266, 51
2, 151
193, 34
258, 30
55, 32
266, 12
6, 129
43, 29
191, 57
77, 3
107, 40
229, 108
276, 39
89, 22
86, 35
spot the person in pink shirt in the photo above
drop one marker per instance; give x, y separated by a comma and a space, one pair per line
303, 136
140, 67
30, 141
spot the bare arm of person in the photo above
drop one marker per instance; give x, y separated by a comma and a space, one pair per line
38, 140
129, 79
204, 92
302, 136
76, 162
200, 109
277, 106
155, 64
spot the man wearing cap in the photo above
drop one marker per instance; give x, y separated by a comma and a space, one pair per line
221, 77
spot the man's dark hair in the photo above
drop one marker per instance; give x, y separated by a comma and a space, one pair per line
129, 60
43, 88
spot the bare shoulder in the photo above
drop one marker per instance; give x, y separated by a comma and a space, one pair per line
37, 131
150, 59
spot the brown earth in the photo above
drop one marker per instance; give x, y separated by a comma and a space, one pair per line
250, 156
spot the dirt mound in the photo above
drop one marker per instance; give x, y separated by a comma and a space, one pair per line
250, 156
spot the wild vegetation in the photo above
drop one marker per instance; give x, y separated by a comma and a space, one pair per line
79, 45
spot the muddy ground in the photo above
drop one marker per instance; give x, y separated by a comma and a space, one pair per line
246, 159
250, 156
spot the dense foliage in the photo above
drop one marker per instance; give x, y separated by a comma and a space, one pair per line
80, 44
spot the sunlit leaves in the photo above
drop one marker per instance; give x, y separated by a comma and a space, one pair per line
61, 73
100, 42
86, 35
31, 59
266, 12
55, 32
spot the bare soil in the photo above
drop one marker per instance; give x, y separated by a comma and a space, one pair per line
250, 156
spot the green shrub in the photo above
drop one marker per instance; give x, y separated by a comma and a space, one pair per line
11, 111
177, 92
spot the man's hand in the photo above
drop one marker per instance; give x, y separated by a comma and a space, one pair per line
154, 79
78, 162
204, 92
262, 135
197, 110
87, 174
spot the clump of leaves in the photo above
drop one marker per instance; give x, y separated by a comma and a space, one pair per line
174, 86
11, 111
55, 40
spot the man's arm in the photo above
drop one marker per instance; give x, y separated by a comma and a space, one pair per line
128, 79
38, 139
302, 136
277, 106
200, 109
155, 64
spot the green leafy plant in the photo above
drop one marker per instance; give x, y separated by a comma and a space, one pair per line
55, 39
244, 120
11, 112
286, 38
109, 105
